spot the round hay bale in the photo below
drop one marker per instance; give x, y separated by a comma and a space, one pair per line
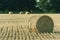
45, 24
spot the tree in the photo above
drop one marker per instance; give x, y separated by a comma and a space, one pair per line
45, 5
28, 5
56, 5
17, 5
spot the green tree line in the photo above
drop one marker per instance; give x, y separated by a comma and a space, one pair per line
43, 6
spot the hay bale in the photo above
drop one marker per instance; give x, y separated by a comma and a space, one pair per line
45, 24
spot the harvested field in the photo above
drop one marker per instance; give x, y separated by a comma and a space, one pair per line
23, 27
